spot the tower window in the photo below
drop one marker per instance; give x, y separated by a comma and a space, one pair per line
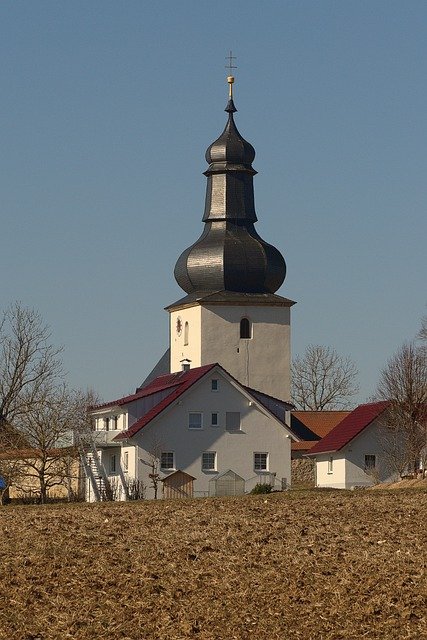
245, 329
186, 330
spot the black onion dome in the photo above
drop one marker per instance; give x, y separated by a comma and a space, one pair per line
231, 146
230, 255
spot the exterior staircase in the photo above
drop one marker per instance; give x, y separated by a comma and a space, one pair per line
95, 473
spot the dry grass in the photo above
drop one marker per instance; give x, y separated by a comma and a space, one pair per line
311, 565
409, 483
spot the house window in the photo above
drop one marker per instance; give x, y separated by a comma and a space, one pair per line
330, 464
115, 422
167, 460
245, 329
113, 463
186, 330
214, 385
195, 420
214, 419
126, 461
107, 424
261, 461
209, 461
232, 420
370, 462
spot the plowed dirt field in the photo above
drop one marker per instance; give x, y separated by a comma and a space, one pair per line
322, 565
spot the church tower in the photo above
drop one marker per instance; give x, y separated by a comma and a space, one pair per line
231, 313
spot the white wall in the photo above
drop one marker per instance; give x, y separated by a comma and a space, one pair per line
368, 442
259, 433
335, 478
262, 362
349, 463
180, 351
110, 413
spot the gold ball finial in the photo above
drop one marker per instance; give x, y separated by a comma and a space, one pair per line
230, 80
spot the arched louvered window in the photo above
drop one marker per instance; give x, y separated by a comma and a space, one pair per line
186, 330
245, 329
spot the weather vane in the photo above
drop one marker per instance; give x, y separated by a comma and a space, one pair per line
230, 66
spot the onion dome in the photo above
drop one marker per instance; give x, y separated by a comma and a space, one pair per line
230, 255
230, 146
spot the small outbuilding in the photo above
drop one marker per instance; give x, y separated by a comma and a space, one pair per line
178, 485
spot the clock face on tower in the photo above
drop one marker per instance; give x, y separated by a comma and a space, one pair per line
178, 326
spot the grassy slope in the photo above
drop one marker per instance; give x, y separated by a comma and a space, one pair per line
321, 565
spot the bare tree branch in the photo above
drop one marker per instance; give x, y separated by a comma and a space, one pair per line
403, 382
28, 362
322, 379
48, 427
11, 466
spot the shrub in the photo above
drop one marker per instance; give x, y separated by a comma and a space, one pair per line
262, 488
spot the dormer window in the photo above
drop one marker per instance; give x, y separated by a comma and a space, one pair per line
245, 329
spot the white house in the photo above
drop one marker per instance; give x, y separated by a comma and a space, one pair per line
354, 453
202, 422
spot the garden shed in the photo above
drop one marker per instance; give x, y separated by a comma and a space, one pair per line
178, 485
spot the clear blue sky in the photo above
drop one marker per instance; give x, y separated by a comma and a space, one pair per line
106, 112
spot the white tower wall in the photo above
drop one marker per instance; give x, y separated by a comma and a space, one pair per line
261, 361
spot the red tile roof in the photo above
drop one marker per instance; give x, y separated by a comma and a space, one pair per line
320, 422
161, 383
349, 428
182, 381
303, 445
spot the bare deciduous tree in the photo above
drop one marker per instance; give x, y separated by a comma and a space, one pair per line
28, 361
47, 426
153, 461
322, 379
403, 382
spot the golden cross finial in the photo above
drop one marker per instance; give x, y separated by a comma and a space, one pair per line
230, 66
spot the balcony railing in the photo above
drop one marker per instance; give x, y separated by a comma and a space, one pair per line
105, 438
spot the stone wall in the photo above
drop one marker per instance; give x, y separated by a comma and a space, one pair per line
303, 472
